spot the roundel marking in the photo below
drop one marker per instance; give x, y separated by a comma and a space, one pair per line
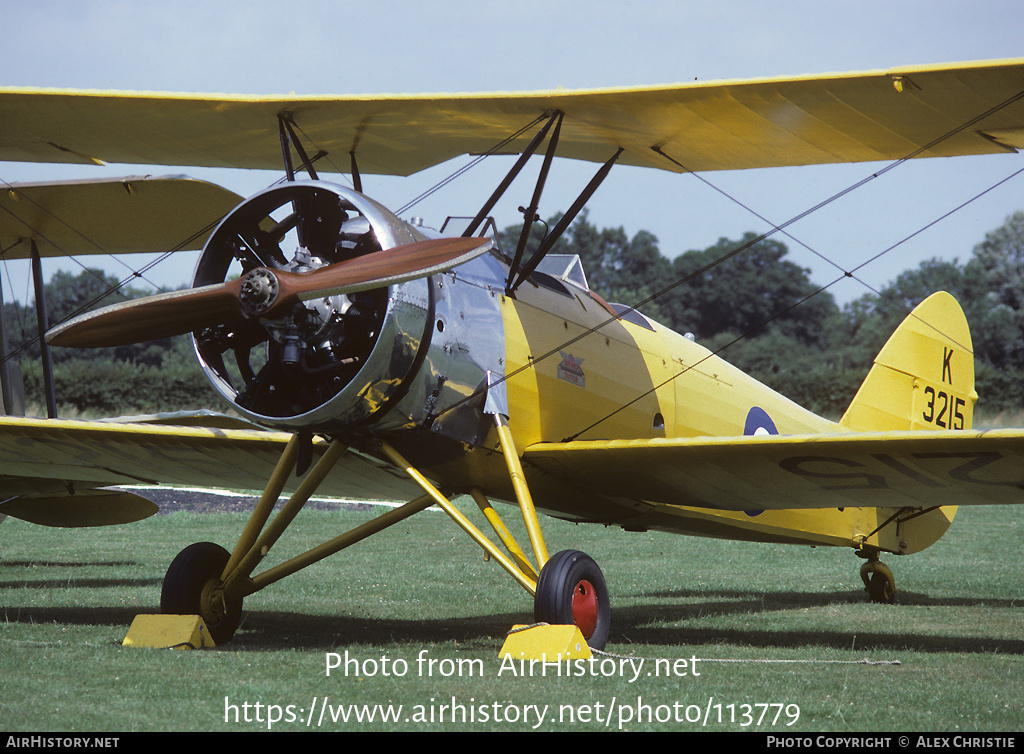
758, 423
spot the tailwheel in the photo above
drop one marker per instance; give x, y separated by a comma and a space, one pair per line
878, 581
571, 590
193, 586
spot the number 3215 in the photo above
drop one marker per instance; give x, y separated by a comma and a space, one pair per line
949, 407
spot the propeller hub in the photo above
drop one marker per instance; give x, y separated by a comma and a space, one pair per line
259, 291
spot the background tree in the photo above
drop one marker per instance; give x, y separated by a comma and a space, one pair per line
760, 310
755, 291
620, 269
160, 375
996, 304
865, 324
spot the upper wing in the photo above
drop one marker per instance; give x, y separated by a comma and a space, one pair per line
856, 470
44, 463
877, 115
111, 216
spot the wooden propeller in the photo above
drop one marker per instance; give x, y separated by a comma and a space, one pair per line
261, 292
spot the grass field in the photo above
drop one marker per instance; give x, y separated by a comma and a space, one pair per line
784, 630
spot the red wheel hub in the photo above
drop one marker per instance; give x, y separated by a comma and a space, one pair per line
584, 608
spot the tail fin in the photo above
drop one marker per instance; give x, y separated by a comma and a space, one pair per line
924, 376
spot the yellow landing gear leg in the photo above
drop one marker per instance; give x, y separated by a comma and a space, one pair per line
207, 581
526, 580
571, 602
570, 596
515, 470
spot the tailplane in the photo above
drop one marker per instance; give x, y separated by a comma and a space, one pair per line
923, 378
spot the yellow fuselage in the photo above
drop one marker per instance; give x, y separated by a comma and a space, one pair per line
575, 373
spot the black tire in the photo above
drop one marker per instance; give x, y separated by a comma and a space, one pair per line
572, 573
190, 572
880, 588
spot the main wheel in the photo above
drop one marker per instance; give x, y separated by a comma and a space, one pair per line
571, 590
192, 586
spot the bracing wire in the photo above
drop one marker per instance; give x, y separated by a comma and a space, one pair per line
681, 281
136, 274
752, 242
804, 300
44, 210
140, 273
471, 164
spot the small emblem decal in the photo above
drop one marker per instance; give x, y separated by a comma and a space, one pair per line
571, 371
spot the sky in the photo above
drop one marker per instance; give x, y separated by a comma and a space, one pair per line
399, 46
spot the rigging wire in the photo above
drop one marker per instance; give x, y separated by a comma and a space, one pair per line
752, 242
471, 164
807, 298
41, 208
140, 273
496, 148
743, 247
110, 290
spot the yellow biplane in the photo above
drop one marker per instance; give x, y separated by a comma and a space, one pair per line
375, 358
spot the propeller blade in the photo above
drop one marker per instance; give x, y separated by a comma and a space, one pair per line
150, 318
262, 292
381, 268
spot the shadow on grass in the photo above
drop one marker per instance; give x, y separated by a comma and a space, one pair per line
682, 623
68, 616
632, 627
79, 583
278, 630
268, 631
69, 579
66, 580
67, 564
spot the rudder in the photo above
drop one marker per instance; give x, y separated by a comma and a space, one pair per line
923, 378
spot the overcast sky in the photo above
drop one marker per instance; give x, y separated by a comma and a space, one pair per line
322, 47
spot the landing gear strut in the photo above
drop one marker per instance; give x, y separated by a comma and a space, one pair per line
206, 580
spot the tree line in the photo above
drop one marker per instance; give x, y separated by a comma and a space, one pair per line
156, 376
740, 297
744, 299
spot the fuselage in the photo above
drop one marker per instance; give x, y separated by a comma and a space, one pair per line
426, 364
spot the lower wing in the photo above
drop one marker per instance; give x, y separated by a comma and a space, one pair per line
55, 472
858, 470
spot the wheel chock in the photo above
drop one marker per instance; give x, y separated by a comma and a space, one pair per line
546, 643
168, 632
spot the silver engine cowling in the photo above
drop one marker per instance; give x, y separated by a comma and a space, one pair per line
331, 361
391, 358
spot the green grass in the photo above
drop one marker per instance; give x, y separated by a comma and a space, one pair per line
770, 624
